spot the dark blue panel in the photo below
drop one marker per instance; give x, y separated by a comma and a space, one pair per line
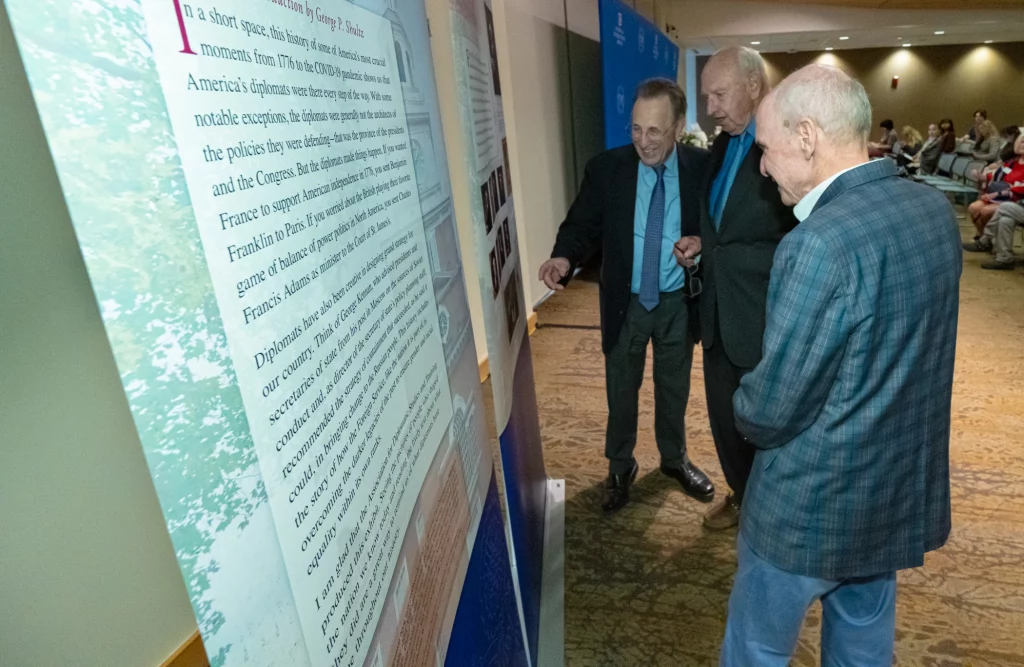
522, 461
487, 632
632, 49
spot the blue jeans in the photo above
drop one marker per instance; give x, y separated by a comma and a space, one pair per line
767, 608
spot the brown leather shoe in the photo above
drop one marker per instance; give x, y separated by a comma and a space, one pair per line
724, 515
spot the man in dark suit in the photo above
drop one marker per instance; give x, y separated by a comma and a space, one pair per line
850, 406
742, 221
634, 204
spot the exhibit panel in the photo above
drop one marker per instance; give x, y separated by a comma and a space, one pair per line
261, 196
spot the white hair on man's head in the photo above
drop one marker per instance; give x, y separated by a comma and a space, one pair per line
833, 100
748, 62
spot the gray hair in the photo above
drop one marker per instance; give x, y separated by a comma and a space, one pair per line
749, 63
833, 100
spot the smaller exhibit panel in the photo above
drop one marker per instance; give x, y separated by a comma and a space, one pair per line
632, 50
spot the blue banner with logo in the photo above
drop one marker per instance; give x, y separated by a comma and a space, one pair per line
632, 50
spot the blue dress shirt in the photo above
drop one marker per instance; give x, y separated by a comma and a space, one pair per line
741, 142
672, 277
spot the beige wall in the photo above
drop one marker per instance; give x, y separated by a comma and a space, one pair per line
532, 56
87, 572
935, 82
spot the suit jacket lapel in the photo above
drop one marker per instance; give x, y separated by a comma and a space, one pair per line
746, 177
689, 206
718, 150
625, 205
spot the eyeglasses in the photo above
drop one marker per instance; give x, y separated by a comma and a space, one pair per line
654, 133
694, 284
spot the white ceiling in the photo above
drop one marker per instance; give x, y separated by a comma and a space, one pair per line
709, 26
969, 32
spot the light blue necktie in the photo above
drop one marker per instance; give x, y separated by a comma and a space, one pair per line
730, 177
650, 273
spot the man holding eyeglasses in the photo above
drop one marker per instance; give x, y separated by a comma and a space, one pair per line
634, 204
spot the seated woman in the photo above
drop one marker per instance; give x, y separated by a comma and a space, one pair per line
888, 140
948, 135
908, 147
980, 116
1005, 183
989, 143
1009, 136
928, 156
985, 176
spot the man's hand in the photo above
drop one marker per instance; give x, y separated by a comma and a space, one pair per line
988, 198
553, 271
686, 249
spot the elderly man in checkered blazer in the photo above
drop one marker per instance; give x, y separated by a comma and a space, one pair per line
849, 409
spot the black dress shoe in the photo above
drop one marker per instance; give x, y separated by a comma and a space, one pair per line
616, 490
694, 482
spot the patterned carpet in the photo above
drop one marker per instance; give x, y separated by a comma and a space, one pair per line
649, 587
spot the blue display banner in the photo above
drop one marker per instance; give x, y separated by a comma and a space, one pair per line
487, 608
632, 50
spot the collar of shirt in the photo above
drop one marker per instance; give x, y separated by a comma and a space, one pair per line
803, 209
671, 169
751, 132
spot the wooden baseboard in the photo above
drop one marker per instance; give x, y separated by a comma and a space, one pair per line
190, 654
531, 323
485, 369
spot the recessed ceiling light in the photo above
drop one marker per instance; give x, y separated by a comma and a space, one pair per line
988, 41
843, 39
755, 43
907, 45
828, 48
940, 32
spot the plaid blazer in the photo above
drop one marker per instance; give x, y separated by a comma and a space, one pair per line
850, 406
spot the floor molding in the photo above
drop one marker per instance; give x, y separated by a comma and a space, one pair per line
190, 654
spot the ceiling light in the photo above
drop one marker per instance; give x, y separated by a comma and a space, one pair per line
843, 39
907, 45
988, 41
940, 32
828, 48
755, 43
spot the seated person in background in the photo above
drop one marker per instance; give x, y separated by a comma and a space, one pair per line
912, 140
886, 142
998, 236
1009, 136
928, 156
909, 146
980, 116
989, 142
987, 178
948, 135
984, 210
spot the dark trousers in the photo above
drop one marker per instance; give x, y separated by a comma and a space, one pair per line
721, 380
668, 327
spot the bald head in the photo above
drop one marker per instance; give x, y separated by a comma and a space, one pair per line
812, 126
733, 83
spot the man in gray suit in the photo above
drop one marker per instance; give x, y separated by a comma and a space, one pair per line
849, 408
